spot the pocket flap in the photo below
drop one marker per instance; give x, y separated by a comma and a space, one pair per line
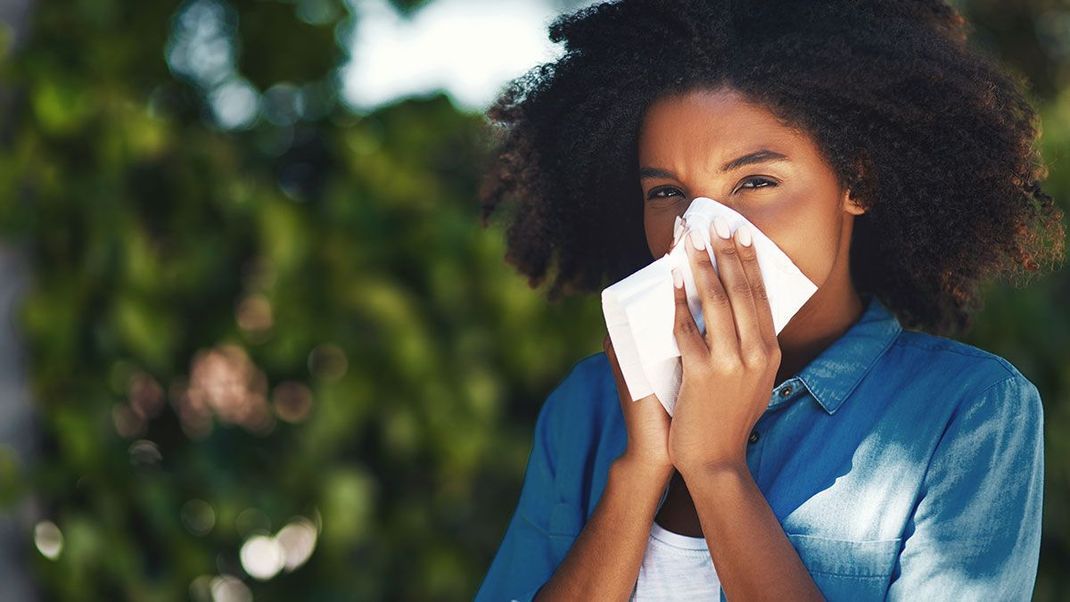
868, 558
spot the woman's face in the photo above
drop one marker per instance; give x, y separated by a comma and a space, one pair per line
687, 143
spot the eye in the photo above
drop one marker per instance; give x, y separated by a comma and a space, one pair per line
759, 180
656, 193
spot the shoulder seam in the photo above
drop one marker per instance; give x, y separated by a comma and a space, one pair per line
979, 353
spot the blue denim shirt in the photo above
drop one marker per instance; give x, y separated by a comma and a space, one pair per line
901, 465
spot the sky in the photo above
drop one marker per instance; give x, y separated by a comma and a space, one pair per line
468, 48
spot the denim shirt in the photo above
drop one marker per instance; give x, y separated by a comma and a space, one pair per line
900, 465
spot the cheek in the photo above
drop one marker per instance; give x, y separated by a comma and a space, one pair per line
807, 232
658, 224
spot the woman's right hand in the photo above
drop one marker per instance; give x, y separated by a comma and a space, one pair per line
646, 420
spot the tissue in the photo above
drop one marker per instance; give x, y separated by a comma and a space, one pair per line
639, 310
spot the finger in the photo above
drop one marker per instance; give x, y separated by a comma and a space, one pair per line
748, 255
623, 392
688, 337
607, 345
716, 306
734, 280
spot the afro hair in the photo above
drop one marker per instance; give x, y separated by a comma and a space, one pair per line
934, 139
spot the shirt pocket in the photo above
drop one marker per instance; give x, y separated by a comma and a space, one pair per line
846, 569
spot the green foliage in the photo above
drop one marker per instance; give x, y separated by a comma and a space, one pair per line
298, 320
228, 329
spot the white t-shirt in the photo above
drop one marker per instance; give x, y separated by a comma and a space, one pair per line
675, 567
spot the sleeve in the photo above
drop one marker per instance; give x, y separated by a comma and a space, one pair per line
975, 533
526, 558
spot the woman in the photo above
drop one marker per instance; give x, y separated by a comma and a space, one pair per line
858, 454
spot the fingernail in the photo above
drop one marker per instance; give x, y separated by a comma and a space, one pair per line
677, 278
721, 225
743, 235
696, 240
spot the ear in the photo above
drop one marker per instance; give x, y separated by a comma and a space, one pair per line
850, 201
851, 205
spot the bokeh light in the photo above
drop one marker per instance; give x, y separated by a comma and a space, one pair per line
48, 539
225, 383
198, 516
292, 401
298, 541
262, 557
144, 453
328, 362
228, 588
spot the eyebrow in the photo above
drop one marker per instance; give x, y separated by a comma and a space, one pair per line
760, 156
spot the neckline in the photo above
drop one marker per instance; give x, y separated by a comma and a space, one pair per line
676, 539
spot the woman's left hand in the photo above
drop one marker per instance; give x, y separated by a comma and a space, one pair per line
728, 374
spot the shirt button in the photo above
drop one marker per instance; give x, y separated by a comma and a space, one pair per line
753, 436
785, 391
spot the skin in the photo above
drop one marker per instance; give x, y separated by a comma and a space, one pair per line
797, 203
729, 371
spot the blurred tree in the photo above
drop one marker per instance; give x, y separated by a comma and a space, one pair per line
252, 312
1032, 36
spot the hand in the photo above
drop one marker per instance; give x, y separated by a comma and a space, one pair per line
728, 374
646, 421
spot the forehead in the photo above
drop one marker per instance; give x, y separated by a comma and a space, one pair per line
722, 121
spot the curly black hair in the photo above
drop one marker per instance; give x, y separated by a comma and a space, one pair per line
933, 138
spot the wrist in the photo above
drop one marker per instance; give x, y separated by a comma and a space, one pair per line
713, 468
642, 468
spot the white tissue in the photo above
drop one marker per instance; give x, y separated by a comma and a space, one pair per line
639, 310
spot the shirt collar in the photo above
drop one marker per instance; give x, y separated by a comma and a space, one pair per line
834, 373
